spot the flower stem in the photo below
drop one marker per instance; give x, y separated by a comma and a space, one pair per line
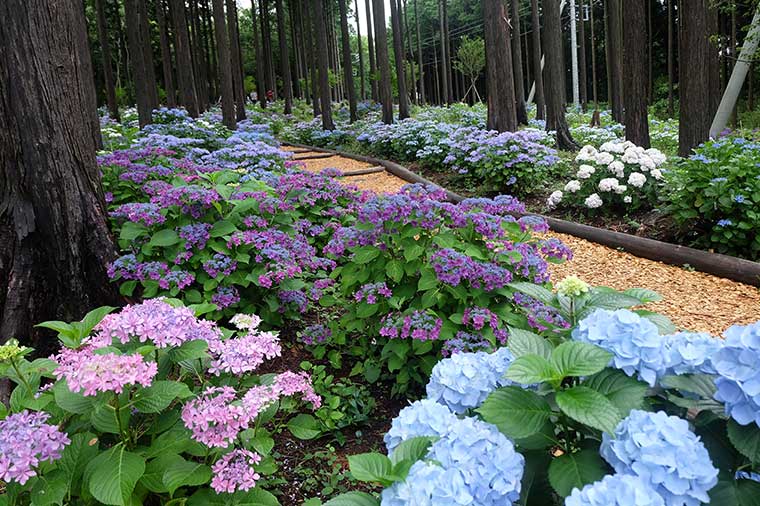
21, 376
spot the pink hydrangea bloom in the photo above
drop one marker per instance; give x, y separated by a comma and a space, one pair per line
234, 471
289, 383
212, 417
85, 371
25, 441
243, 354
258, 398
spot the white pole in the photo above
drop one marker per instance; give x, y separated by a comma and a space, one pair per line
574, 54
543, 59
735, 83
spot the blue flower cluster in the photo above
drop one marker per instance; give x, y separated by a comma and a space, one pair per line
428, 485
616, 490
634, 341
691, 353
421, 418
464, 380
738, 364
662, 451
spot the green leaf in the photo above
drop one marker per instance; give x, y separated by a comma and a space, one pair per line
746, 439
518, 413
365, 254
530, 369
428, 280
159, 395
644, 295
607, 298
413, 251
575, 470
395, 270
175, 440
535, 487
49, 488
574, 358
76, 456
589, 407
735, 493
113, 474
190, 350
165, 237
103, 418
183, 473
699, 384
523, 342
222, 228
255, 497
353, 499
153, 477
533, 290
304, 426
71, 401
624, 392
262, 444
412, 449
371, 467
662, 322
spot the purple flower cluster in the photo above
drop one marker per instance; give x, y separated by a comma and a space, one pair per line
128, 268
243, 354
225, 296
191, 199
196, 235
464, 342
86, 371
234, 471
315, 334
478, 317
452, 267
295, 297
144, 213
540, 316
371, 291
219, 264
214, 420
419, 325
26, 441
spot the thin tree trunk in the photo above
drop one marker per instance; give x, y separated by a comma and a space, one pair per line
105, 49
261, 93
287, 83
582, 69
238, 86
616, 58
139, 65
203, 82
540, 96
670, 59
398, 54
526, 59
271, 81
444, 73
373, 77
381, 39
54, 239
555, 90
650, 62
150, 69
209, 77
500, 83
447, 61
166, 55
436, 76
185, 78
517, 68
410, 52
635, 75
225, 65
419, 54
734, 115
295, 63
88, 70
594, 89
363, 90
323, 64
348, 70
123, 63
313, 69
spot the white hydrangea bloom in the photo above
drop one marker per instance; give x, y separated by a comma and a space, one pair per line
657, 156
631, 156
573, 186
612, 147
608, 184
646, 162
657, 174
637, 179
593, 201
554, 199
627, 199
586, 154
617, 168
604, 158
585, 171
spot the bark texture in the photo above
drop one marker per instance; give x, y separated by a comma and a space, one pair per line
323, 62
636, 75
522, 113
236, 60
500, 85
225, 65
537, 71
398, 55
105, 49
383, 65
615, 48
185, 77
137, 54
166, 55
348, 68
555, 89
287, 83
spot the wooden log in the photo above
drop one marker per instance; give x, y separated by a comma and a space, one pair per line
361, 172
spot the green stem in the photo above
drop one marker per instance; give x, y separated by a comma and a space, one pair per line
118, 415
21, 376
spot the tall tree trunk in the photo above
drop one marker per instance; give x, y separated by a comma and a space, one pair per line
88, 70
225, 65
410, 52
555, 89
323, 63
166, 55
381, 44
522, 113
696, 77
313, 67
436, 76
536, 33
105, 49
363, 90
444, 71
139, 65
266, 37
123, 63
500, 84
348, 68
373, 77
185, 77
209, 62
398, 54
583, 71
236, 60
287, 83
650, 62
594, 88
447, 43
419, 54
295, 63
526, 59
261, 92
635, 75
147, 47
616, 57
671, 107
55, 242
195, 37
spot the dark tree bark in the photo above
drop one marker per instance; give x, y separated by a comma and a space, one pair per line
419, 54
88, 70
538, 73
650, 63
166, 55
295, 62
185, 77
225, 65
436, 75
522, 113
54, 240
287, 83
258, 51
696, 78
323, 64
208, 54
615, 30
445, 74
500, 84
105, 49
635, 75
236, 59
593, 62
373, 78
348, 71
139, 65
447, 46
410, 52
266, 37
148, 53
398, 55
203, 79
362, 89
381, 43
312, 59
555, 89
582, 70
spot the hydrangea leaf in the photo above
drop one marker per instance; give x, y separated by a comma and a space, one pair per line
574, 470
365, 254
574, 358
183, 473
736, 493
159, 395
222, 228
395, 270
353, 499
412, 449
523, 342
746, 439
699, 384
304, 426
533, 290
153, 477
625, 392
190, 350
530, 369
165, 237
535, 481
113, 474
50, 488
77, 455
663, 323
644, 295
72, 402
371, 467
589, 407
607, 298
518, 413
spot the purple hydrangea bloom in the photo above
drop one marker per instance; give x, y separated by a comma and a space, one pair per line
25, 442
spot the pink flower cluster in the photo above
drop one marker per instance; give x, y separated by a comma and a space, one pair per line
156, 321
234, 471
25, 441
243, 354
85, 371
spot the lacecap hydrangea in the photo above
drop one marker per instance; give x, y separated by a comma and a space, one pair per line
464, 380
422, 418
616, 490
662, 451
738, 366
634, 341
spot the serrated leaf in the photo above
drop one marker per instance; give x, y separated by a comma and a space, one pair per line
517, 412
371, 467
746, 439
644, 295
365, 255
353, 499
589, 407
190, 350
537, 292
624, 392
699, 384
76, 456
523, 342
113, 474
395, 270
71, 401
607, 298
574, 358
222, 228
183, 473
575, 470
412, 449
159, 395
530, 369
662, 322
153, 477
735, 493
165, 237
304, 426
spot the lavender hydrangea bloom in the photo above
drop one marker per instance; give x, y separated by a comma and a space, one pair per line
616, 490
691, 353
26, 441
634, 341
421, 418
738, 366
464, 380
662, 451
428, 485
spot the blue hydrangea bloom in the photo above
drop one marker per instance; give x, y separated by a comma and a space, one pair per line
691, 353
738, 366
464, 380
662, 451
616, 490
421, 418
634, 341
428, 485
489, 464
